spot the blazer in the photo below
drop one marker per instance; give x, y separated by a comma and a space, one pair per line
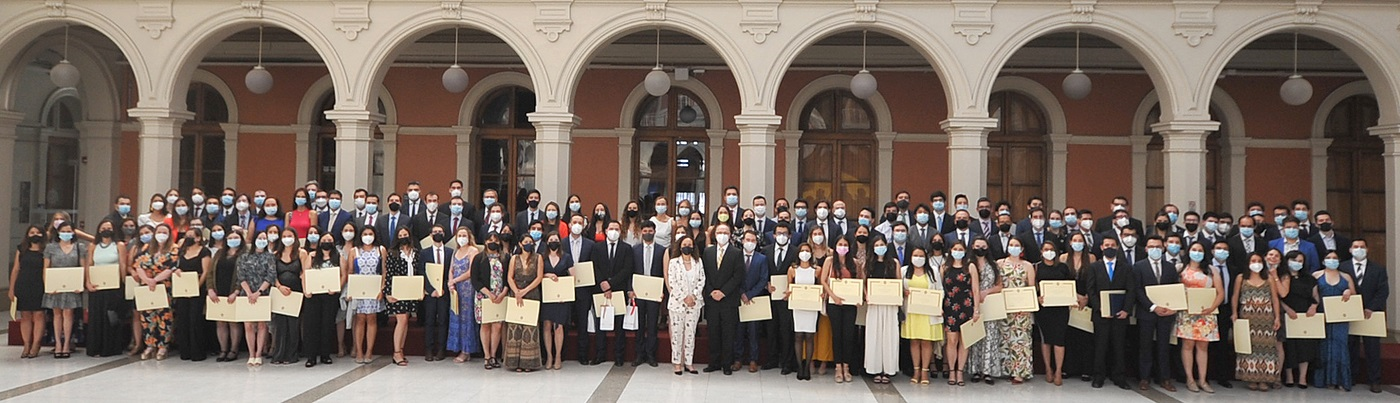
725, 274
426, 256
756, 275
1138, 249
412, 207
1374, 288
951, 237
1239, 257
1198, 237
481, 271
585, 252
767, 226
230, 220
1033, 248
778, 266
1309, 253
997, 251
1105, 224
943, 222
833, 230
332, 227
1341, 242
1096, 279
921, 242
1143, 277
616, 270
522, 220
484, 231
658, 260
422, 224
381, 227
463, 220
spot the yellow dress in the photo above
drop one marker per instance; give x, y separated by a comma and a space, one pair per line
823, 341
921, 327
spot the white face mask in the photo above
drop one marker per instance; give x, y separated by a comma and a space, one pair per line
456, 192
1038, 223
822, 212
781, 239
161, 238
918, 261
1256, 267
750, 246
288, 241
840, 213
818, 239
432, 206
1086, 225
367, 239
722, 239
1048, 255
462, 241
804, 255
1121, 222
347, 235
612, 235
495, 217
760, 210
576, 228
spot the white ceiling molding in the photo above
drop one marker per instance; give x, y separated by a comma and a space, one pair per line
760, 18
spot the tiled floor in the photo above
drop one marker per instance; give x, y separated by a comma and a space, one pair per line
120, 379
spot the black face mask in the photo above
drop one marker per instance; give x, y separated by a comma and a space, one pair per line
394, 207
404, 242
1110, 253
439, 237
903, 204
889, 217
36, 239
534, 204
782, 208
748, 222
631, 213
937, 246
1164, 226
1191, 226
493, 247
687, 250
600, 214
985, 214
961, 224
106, 233
1004, 227
648, 237
128, 231
553, 246
1325, 227
862, 238
327, 246
980, 252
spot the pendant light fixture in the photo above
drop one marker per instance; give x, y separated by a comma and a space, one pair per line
1296, 90
64, 74
258, 80
657, 82
1076, 85
455, 79
863, 84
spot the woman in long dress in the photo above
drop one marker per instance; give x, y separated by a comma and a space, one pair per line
1256, 302
882, 321
1335, 368
824, 352
1299, 299
985, 360
523, 341
960, 306
152, 267
921, 330
462, 330
1016, 336
489, 278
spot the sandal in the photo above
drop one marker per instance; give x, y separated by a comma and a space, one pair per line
399, 359
915, 378
925, 380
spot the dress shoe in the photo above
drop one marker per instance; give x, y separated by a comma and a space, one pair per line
1098, 383
728, 371
786, 371
1226, 384
429, 357
713, 368
769, 366
617, 363
1168, 386
651, 362
1375, 388
326, 359
637, 363
1142, 385
1123, 385
753, 366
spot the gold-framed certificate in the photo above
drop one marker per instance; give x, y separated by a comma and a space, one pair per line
849, 290
246, 310
220, 310
1374, 327
1240, 334
973, 331
493, 312
435, 274
1082, 319
618, 302
923, 301
1170, 296
1021, 299
147, 299
649, 288
780, 286
805, 297
1199, 299
105, 276
758, 309
885, 292
130, 289
561, 290
1059, 293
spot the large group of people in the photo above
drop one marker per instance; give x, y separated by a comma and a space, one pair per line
1265, 268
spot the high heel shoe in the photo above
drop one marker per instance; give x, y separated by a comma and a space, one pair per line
925, 380
146, 355
915, 379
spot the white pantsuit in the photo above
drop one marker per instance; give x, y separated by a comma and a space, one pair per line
684, 282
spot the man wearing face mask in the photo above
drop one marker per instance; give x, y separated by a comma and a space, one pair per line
429, 216
887, 220
845, 224
901, 203
436, 305
940, 218
962, 230
1110, 333
1155, 323
1326, 240
1037, 234
334, 218
1223, 350
1130, 250
612, 268
1373, 284
483, 214
457, 216
649, 259
1191, 222
731, 200
1110, 222
762, 224
414, 205
986, 223
755, 284
1300, 212
393, 219
824, 219
531, 214
1292, 240
1001, 239
1244, 243
724, 277
579, 249
121, 210
781, 254
1034, 203
495, 221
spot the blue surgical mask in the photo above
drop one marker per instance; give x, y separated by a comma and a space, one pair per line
300, 201
226, 200
938, 206
270, 210
880, 250
1071, 220
1057, 224
261, 243
488, 201
1295, 265
1222, 254
536, 234
1154, 253
659, 209
731, 200
334, 204
146, 238
456, 209
900, 237
371, 208
124, 209
1247, 231
1331, 264
65, 236
922, 218
1077, 246
217, 235
1171, 217
235, 242
313, 238
683, 211
211, 208
1278, 220
553, 214
1013, 250
800, 212
865, 222
1197, 256
1301, 215
1173, 249
1211, 226
1290, 233
959, 254
258, 200
695, 223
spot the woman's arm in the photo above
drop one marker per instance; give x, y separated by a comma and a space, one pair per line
1235, 306
510, 278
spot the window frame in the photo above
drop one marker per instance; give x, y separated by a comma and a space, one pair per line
671, 134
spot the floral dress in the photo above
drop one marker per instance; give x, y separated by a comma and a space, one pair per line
957, 302
398, 265
1016, 337
497, 285
367, 262
1197, 327
155, 323
986, 357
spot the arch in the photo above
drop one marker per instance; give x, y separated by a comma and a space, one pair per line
485, 87
54, 99
311, 100
20, 29
97, 87
414, 27
1047, 100
1154, 56
635, 20
884, 120
1233, 123
716, 117
1348, 90
214, 29
1353, 39
204, 76
912, 32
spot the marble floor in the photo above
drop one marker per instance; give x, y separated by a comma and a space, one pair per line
121, 379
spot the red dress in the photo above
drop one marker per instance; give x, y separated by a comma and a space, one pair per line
300, 222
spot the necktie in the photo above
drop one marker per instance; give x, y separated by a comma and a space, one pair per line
986, 227
760, 226
800, 226
456, 222
393, 222
1129, 254
612, 248
1360, 272
747, 260
243, 222
532, 216
370, 220
1039, 238
1110, 270
779, 259
646, 261
923, 233
900, 251
413, 209
438, 255
1157, 270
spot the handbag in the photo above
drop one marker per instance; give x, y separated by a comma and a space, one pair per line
607, 325
629, 320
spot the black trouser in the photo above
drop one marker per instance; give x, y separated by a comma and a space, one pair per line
722, 323
318, 328
1109, 336
583, 311
190, 328
105, 333
648, 313
781, 352
286, 337
434, 321
1154, 336
843, 333
1371, 347
1222, 352
600, 338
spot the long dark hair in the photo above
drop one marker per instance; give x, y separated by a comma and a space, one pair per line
948, 259
909, 274
24, 242
319, 257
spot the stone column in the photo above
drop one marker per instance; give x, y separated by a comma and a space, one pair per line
626, 141
304, 170
884, 165
98, 146
465, 159
9, 125
715, 177
160, 149
1184, 161
757, 145
354, 148
792, 147
1319, 172
553, 141
1232, 196
230, 156
1390, 135
1059, 171
391, 158
1139, 145
967, 155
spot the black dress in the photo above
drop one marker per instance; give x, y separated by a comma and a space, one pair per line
29, 284
225, 272
557, 312
396, 265
957, 300
1299, 298
1052, 321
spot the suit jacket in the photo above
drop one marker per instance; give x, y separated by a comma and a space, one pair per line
426, 256
951, 237
1374, 287
585, 252
1309, 253
422, 224
778, 266
1105, 224
724, 273
1033, 248
1023, 226
1239, 257
767, 226
998, 250
333, 227
1096, 279
522, 220
616, 270
942, 222
1341, 242
977, 226
1139, 251
921, 241
658, 260
1198, 237
412, 207
1143, 277
756, 275
484, 230
231, 220
833, 230
384, 233
462, 221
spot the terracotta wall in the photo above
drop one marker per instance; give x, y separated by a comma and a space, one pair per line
920, 168
130, 165
594, 166
1097, 173
430, 160
268, 161
1278, 176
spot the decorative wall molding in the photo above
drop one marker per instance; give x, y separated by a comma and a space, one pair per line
351, 17
1305, 11
57, 8
1082, 11
553, 17
252, 8
1194, 19
451, 9
866, 10
656, 9
760, 18
156, 16
972, 19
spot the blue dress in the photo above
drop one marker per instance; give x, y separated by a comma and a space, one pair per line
463, 335
1336, 358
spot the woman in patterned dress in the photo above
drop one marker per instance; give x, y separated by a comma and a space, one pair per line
489, 278
462, 332
365, 259
1334, 370
921, 330
64, 251
522, 342
1256, 302
985, 360
1016, 335
959, 307
1196, 331
400, 262
154, 266
256, 275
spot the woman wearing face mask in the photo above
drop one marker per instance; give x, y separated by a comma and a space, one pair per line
960, 306
270, 218
1299, 299
685, 284
301, 218
221, 284
27, 289
103, 305
156, 215
575, 205
695, 228
1196, 331
598, 223
256, 275
216, 237
522, 342
64, 250
722, 215
154, 266
463, 335
345, 317
555, 315
489, 278
882, 321
821, 254
804, 271
290, 262
849, 263
1053, 322
1016, 352
400, 263
683, 210
663, 222
180, 221
135, 247
319, 311
1255, 301
923, 331
365, 259
985, 360
631, 223
1335, 357
554, 221
190, 325
1079, 344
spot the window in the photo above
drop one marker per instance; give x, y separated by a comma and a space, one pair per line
506, 145
202, 140
62, 154
1156, 165
1355, 183
837, 154
1016, 148
670, 152
323, 147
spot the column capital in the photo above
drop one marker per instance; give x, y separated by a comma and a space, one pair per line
1185, 127
790, 135
553, 118
966, 126
391, 132
1385, 131
158, 114
717, 136
230, 131
10, 118
1059, 142
757, 120
348, 115
98, 129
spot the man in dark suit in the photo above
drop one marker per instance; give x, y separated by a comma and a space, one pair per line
1155, 323
389, 223
333, 220
495, 221
612, 268
429, 216
1109, 274
1223, 350
1246, 242
457, 216
923, 228
121, 210
826, 222
781, 255
1326, 240
1023, 226
985, 224
761, 222
939, 217
436, 303
899, 242
1300, 211
1373, 284
370, 214
724, 277
580, 249
243, 218
799, 223
482, 215
1036, 235
1110, 221
998, 241
1130, 250
731, 200
755, 285
1292, 240
649, 260
532, 212
962, 231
